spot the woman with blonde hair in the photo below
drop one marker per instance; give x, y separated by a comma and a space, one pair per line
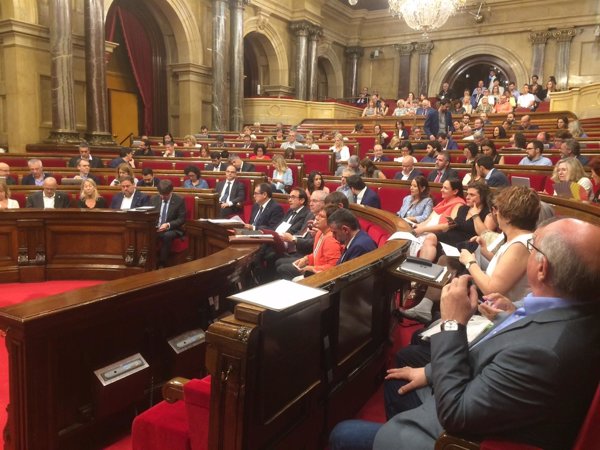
282, 179
89, 197
570, 169
123, 170
341, 151
189, 141
5, 201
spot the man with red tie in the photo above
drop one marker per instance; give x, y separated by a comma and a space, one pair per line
442, 171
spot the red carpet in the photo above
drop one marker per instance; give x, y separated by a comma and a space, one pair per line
13, 293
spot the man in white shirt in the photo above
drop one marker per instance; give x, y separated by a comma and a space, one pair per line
49, 198
534, 156
526, 99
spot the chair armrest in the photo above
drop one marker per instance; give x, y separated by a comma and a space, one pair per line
173, 389
449, 442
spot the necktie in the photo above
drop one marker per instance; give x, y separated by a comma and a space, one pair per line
226, 192
291, 218
439, 177
163, 213
260, 210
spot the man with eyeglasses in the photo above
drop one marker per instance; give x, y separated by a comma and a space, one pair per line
266, 213
232, 193
534, 156
530, 379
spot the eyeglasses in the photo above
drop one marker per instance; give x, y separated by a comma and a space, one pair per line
294, 196
532, 247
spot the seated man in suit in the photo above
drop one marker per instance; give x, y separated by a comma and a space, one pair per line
515, 382
171, 219
148, 178
5, 174
266, 213
493, 177
408, 170
125, 156
49, 198
215, 162
84, 172
242, 166
37, 175
129, 197
378, 155
84, 153
364, 195
232, 193
170, 151
442, 171
346, 230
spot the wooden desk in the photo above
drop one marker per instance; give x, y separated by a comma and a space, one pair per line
40, 245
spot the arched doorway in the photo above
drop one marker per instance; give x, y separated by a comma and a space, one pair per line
323, 66
466, 73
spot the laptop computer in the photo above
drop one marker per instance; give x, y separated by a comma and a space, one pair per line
520, 181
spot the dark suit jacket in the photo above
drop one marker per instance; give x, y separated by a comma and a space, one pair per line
370, 198
139, 199
237, 195
298, 221
29, 180
452, 145
516, 385
35, 200
9, 180
449, 173
361, 244
247, 167
497, 179
178, 154
415, 173
383, 159
95, 163
116, 162
271, 216
431, 126
175, 211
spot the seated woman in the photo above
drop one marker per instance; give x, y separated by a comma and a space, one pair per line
359, 128
368, 169
400, 110
282, 178
89, 197
562, 123
370, 110
122, 170
315, 183
260, 152
381, 136
469, 222
457, 107
189, 141
401, 132
499, 133
570, 169
194, 179
488, 148
576, 130
5, 201
595, 169
309, 142
418, 205
341, 151
407, 150
466, 104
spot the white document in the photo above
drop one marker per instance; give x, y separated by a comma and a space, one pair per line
283, 227
476, 326
496, 242
232, 220
450, 250
278, 295
406, 235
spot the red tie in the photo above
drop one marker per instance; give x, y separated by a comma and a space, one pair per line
439, 177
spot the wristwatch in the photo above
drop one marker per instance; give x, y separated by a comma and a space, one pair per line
470, 263
450, 325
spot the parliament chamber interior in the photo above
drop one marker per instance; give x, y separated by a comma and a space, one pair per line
209, 210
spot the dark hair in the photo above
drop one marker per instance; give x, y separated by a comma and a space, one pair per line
343, 217
124, 151
265, 188
422, 182
310, 183
484, 192
224, 154
520, 140
573, 145
84, 144
170, 135
565, 120
355, 182
473, 148
359, 127
164, 187
456, 185
538, 145
437, 147
192, 169
594, 165
442, 135
257, 146
501, 132
215, 155
408, 145
485, 161
147, 171
369, 166
301, 193
337, 197
490, 144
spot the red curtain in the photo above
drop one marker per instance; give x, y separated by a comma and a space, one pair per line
140, 56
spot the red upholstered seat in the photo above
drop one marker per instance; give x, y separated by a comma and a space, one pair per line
317, 161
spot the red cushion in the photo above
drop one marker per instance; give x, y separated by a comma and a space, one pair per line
165, 425
505, 445
197, 402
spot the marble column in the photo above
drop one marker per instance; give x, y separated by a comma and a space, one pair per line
301, 30
313, 41
353, 54
563, 56
538, 43
424, 49
220, 114
237, 64
61, 54
95, 75
405, 50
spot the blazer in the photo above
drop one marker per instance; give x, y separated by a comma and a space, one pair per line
497, 179
35, 200
382, 159
271, 216
139, 199
415, 173
327, 254
449, 173
95, 163
370, 198
175, 212
247, 167
516, 385
298, 221
176, 154
29, 180
361, 244
237, 194
431, 126
114, 163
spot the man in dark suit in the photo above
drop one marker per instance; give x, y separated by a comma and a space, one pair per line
171, 219
125, 156
266, 213
232, 193
129, 197
170, 151
84, 153
493, 177
364, 195
515, 382
48, 198
378, 155
346, 230
446, 141
408, 171
437, 120
84, 172
442, 171
242, 166
37, 175
5, 174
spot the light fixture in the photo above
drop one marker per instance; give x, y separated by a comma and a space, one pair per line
425, 15
352, 2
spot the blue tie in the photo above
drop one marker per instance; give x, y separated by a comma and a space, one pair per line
163, 213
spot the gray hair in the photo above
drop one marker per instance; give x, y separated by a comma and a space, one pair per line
353, 161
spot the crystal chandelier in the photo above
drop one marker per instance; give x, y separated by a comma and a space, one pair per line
425, 15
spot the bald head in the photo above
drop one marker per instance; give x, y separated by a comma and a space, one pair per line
407, 165
4, 169
49, 186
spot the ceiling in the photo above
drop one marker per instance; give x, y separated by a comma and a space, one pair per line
371, 5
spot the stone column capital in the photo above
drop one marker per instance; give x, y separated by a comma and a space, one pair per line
301, 27
238, 3
564, 34
315, 33
539, 37
355, 52
404, 49
424, 48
